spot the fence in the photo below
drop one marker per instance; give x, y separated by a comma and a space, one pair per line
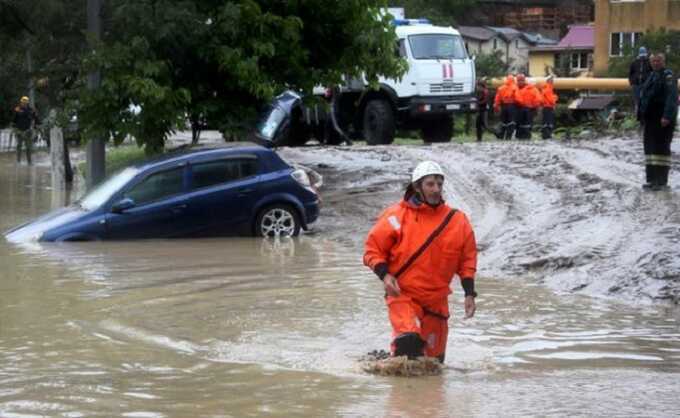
8, 142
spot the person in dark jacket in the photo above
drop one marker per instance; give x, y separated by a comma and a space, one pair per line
638, 73
658, 112
482, 108
25, 119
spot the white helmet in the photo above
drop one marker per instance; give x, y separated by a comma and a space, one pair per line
426, 168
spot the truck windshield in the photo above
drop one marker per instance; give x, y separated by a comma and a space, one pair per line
437, 46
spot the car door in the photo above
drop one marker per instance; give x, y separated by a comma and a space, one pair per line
159, 209
223, 194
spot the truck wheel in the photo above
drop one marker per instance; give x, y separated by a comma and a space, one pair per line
439, 130
378, 123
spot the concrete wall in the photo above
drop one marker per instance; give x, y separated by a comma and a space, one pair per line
630, 16
539, 60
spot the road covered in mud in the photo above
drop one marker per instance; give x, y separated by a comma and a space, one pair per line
570, 214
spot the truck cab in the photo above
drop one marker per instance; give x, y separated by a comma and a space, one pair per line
439, 83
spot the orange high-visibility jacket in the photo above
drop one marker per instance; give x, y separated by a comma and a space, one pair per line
528, 96
549, 96
505, 93
401, 230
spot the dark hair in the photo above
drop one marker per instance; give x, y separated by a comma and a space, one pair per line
411, 190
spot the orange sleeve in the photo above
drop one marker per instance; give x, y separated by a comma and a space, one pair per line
497, 99
380, 240
538, 98
468, 262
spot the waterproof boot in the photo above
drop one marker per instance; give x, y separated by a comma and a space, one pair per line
649, 177
409, 344
661, 178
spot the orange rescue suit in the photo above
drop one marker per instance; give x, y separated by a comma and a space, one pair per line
423, 305
505, 93
549, 96
528, 96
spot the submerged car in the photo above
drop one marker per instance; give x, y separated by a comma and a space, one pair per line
232, 190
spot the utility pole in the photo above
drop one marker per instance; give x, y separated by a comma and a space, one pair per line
96, 151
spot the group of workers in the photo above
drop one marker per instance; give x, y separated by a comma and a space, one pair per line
518, 102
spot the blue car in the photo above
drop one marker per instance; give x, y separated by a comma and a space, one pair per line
232, 190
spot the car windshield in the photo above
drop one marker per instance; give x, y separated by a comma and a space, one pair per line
268, 126
103, 192
437, 46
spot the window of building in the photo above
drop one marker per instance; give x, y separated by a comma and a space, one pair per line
579, 61
620, 41
495, 43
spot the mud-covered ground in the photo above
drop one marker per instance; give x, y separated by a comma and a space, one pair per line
568, 214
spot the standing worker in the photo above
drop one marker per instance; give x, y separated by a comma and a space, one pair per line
24, 121
416, 247
658, 112
482, 108
548, 113
505, 104
639, 70
528, 100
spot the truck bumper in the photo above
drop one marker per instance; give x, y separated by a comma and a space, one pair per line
423, 107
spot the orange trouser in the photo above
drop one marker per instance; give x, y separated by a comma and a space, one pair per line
430, 322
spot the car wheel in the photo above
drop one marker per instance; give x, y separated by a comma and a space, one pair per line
278, 221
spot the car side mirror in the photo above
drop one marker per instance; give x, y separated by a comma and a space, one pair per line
123, 205
473, 57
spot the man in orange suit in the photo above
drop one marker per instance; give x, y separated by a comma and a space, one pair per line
505, 104
416, 248
528, 100
549, 102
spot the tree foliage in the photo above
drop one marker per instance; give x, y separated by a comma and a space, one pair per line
662, 40
51, 34
223, 59
441, 12
491, 65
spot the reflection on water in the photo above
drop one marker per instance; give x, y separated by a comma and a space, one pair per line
248, 327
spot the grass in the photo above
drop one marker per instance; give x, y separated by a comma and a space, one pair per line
118, 158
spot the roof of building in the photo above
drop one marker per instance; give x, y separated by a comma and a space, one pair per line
477, 32
579, 37
509, 34
485, 33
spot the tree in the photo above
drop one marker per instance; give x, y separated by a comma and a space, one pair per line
51, 34
441, 12
223, 59
491, 65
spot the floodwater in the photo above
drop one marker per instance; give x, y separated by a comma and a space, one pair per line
248, 327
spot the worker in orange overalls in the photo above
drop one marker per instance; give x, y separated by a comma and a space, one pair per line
417, 265
505, 104
548, 113
528, 100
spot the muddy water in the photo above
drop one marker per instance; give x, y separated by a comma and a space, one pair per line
245, 327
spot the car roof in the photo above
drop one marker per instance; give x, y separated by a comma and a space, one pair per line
187, 153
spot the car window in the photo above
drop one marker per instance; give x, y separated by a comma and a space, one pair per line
222, 171
157, 186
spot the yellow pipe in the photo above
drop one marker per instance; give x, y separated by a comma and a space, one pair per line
580, 83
